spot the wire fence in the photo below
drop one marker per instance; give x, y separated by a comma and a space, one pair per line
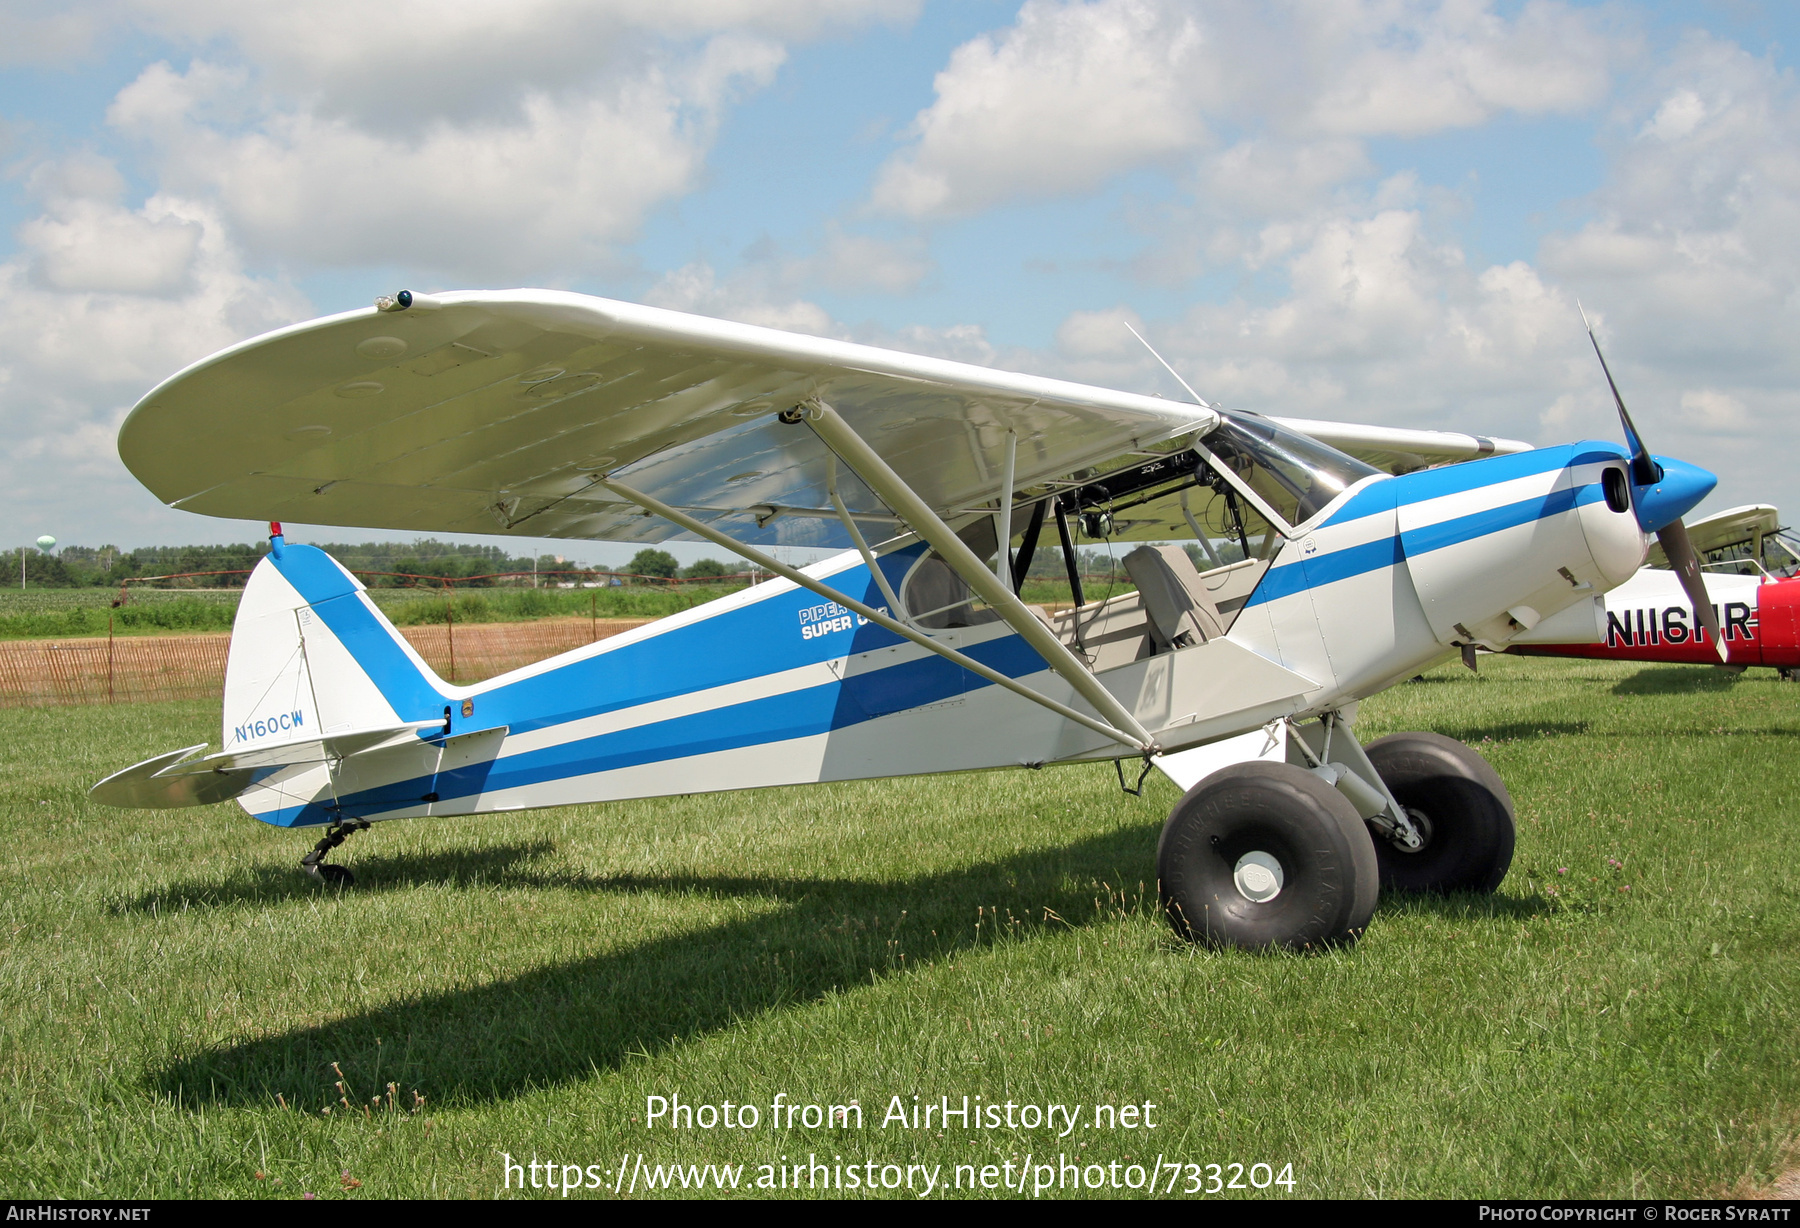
155, 668
131, 669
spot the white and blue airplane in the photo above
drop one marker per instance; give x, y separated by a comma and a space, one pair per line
1322, 579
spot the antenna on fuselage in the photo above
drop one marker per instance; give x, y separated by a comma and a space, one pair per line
1198, 399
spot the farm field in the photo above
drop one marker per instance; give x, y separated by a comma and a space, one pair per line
55, 613
1622, 1019
83, 612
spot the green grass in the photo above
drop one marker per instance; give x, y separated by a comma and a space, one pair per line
410, 607
1627, 1027
72, 613
1058, 592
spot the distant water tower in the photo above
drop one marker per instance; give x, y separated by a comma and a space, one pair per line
45, 543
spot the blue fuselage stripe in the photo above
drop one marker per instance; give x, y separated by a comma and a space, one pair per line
1424, 484
1315, 571
1427, 538
776, 718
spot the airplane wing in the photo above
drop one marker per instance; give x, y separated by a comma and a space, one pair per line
1401, 449
496, 412
1730, 527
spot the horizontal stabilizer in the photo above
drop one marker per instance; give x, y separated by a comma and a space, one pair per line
138, 788
310, 750
174, 780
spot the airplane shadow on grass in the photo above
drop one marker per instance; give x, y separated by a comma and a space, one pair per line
1676, 680
566, 1021
1512, 731
273, 884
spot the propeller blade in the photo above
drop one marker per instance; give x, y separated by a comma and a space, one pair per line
1644, 470
1682, 557
1653, 499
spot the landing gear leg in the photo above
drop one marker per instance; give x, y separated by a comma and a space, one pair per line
314, 862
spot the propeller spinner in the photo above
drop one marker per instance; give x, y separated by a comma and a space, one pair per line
1661, 490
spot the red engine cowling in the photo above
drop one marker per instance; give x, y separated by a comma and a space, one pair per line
1778, 623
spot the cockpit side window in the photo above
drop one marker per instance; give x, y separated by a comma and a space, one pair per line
1226, 527
937, 598
1779, 555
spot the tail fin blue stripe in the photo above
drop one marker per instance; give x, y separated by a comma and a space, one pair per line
332, 594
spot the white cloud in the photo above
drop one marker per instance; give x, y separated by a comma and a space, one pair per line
50, 31
1712, 410
750, 298
769, 287
765, 292
1680, 113
74, 358
958, 342
1693, 253
1263, 177
1690, 266
92, 246
1069, 95
464, 142
410, 64
550, 191
1382, 322
1407, 70
495, 144
1074, 92
505, 143
856, 262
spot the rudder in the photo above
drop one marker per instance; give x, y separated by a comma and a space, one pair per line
311, 656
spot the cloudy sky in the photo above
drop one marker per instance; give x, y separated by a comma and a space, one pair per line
1373, 210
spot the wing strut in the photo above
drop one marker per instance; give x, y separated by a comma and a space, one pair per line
650, 504
862, 547
1003, 517
891, 489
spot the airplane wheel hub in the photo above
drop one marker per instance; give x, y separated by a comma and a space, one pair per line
1422, 824
1259, 877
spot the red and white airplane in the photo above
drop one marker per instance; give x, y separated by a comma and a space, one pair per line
1752, 570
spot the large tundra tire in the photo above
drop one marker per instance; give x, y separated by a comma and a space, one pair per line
1459, 804
1266, 855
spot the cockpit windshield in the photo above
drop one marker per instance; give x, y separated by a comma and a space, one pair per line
1296, 474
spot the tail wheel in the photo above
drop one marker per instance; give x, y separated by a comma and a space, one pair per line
1266, 855
1460, 806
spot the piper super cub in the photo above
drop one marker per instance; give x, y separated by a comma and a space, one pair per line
553, 414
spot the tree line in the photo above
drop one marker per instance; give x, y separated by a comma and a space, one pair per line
458, 563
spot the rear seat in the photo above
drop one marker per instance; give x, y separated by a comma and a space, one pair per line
1180, 614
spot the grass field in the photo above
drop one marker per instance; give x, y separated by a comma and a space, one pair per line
1621, 1020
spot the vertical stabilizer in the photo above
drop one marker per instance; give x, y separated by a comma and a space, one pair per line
310, 657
